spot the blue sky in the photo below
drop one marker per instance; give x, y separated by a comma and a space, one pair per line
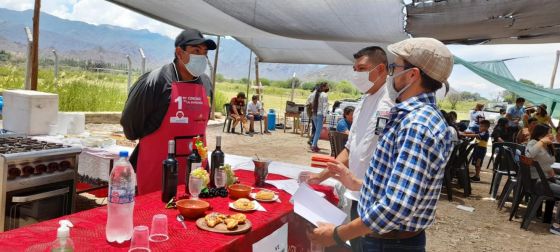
535, 63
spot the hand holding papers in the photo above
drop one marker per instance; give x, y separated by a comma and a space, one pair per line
309, 205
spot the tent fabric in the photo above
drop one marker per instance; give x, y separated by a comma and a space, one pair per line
483, 21
497, 67
498, 76
307, 32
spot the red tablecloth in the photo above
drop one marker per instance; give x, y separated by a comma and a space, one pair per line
88, 233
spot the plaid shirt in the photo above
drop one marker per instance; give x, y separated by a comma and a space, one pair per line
403, 183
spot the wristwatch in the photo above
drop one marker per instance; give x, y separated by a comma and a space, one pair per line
337, 239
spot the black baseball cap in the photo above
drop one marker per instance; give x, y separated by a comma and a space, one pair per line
193, 37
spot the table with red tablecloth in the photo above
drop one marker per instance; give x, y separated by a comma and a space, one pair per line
88, 233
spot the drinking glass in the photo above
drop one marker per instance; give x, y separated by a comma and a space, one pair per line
303, 177
220, 178
140, 239
158, 232
195, 186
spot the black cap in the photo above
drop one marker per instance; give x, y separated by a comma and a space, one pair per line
193, 37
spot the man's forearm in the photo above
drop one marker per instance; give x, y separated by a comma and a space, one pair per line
353, 229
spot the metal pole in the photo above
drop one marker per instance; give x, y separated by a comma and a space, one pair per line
129, 73
554, 69
214, 71
293, 86
29, 56
249, 74
35, 49
257, 80
55, 67
143, 64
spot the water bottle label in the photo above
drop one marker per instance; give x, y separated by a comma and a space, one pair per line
120, 195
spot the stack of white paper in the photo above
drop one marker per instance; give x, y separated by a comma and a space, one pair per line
314, 208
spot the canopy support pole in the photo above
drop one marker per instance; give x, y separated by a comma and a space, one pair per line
257, 81
249, 74
214, 70
35, 48
554, 69
552, 107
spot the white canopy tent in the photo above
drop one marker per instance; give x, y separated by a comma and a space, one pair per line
310, 31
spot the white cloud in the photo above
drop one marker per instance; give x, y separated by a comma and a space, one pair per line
95, 12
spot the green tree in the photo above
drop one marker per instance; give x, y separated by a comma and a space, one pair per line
453, 99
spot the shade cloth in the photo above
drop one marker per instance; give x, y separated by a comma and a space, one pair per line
310, 32
88, 233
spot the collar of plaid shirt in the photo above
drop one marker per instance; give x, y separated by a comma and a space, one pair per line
403, 182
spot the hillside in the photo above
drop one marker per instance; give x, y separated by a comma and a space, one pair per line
83, 41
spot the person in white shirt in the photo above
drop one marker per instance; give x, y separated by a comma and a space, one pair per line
370, 70
255, 112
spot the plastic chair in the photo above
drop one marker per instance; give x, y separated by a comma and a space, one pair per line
229, 119
461, 166
448, 173
538, 192
260, 120
337, 141
512, 167
500, 169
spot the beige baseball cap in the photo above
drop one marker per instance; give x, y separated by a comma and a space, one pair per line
428, 54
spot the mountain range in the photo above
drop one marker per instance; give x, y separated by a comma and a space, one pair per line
111, 44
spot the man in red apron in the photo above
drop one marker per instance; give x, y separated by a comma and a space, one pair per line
169, 103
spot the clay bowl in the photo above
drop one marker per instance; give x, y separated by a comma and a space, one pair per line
237, 191
192, 208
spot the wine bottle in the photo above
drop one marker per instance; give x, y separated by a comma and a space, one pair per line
169, 175
217, 160
193, 162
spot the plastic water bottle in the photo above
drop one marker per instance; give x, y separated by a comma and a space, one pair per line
120, 206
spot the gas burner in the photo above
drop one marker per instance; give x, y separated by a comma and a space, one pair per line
10, 145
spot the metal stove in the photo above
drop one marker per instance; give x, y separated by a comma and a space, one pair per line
38, 180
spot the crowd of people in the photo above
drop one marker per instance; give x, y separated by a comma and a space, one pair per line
530, 127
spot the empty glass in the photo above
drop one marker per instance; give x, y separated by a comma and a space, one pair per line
303, 177
140, 239
195, 186
158, 232
220, 178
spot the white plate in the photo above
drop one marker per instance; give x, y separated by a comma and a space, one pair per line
254, 196
243, 210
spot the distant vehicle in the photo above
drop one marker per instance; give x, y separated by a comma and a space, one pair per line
341, 104
492, 111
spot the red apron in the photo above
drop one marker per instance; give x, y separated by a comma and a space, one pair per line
186, 118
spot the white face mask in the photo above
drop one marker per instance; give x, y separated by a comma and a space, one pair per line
361, 80
390, 86
197, 65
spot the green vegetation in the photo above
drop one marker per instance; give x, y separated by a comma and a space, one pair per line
83, 90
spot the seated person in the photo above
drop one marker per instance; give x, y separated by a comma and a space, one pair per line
237, 112
255, 112
501, 132
480, 150
344, 124
524, 134
541, 150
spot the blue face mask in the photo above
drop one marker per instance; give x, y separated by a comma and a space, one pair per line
197, 65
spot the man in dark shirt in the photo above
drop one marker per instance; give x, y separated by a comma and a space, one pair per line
237, 111
148, 99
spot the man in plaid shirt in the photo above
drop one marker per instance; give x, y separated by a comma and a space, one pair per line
402, 185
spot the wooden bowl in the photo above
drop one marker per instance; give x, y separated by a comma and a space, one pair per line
192, 208
237, 191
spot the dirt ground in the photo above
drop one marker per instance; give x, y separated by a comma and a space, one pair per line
485, 229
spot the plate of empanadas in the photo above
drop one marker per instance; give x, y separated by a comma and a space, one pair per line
264, 196
224, 224
244, 205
